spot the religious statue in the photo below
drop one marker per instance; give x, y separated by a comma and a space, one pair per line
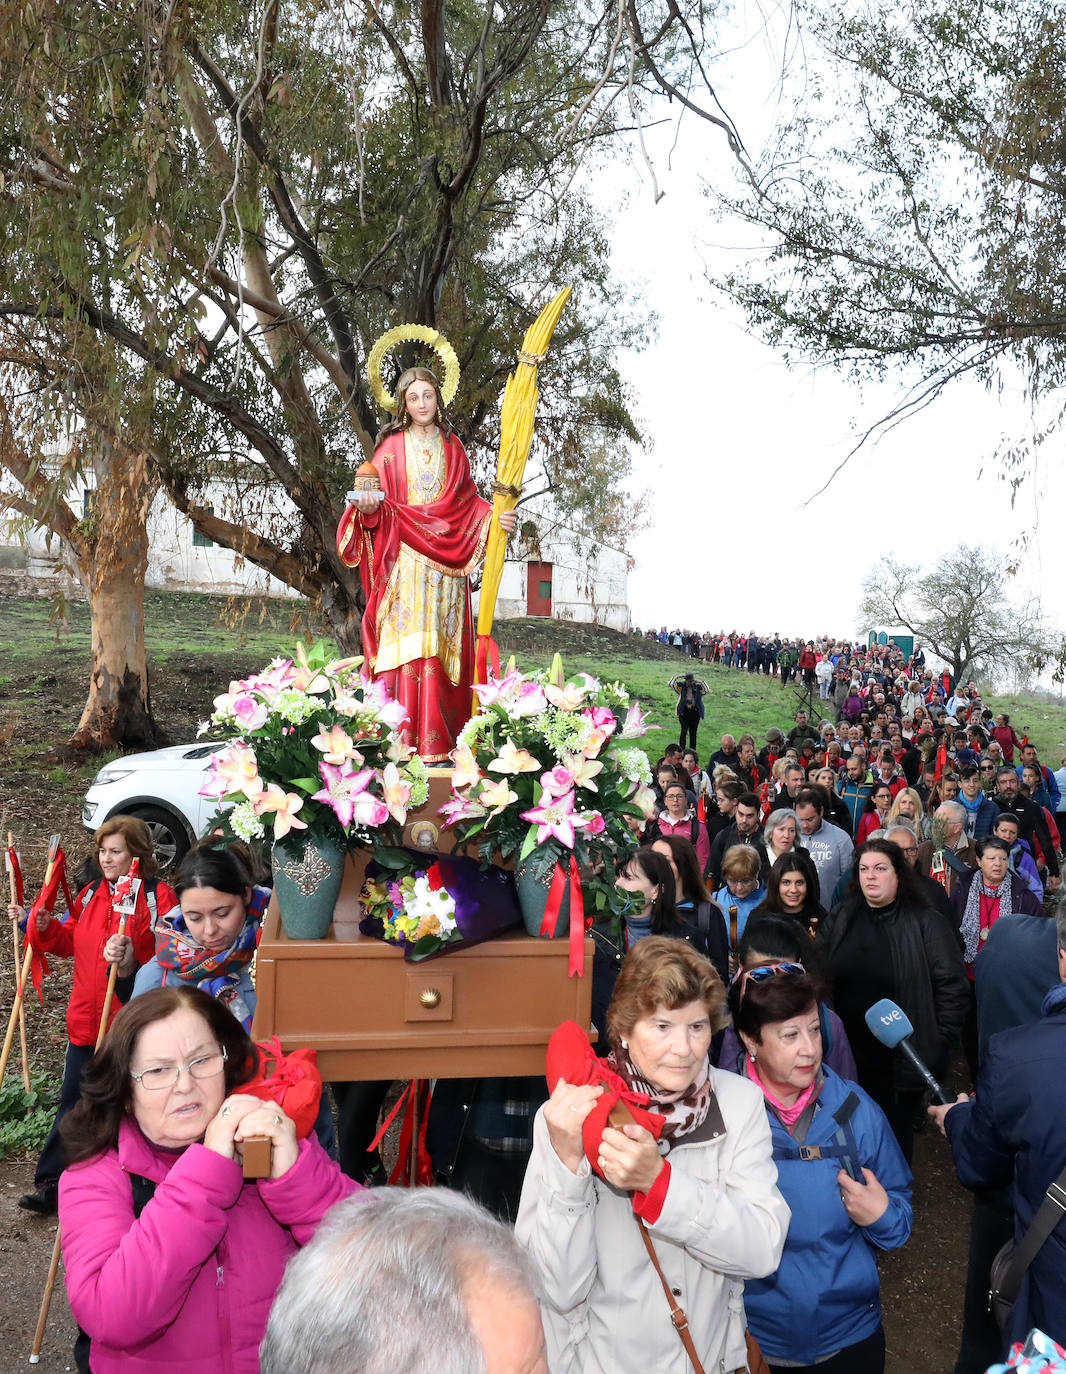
415, 543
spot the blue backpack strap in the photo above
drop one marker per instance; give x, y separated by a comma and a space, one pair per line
845, 1135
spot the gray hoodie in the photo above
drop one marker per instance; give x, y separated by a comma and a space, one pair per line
830, 850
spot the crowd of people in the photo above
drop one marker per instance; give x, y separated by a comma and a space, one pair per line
720, 1170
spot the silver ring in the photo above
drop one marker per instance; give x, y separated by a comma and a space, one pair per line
227, 1111
573, 1109
277, 1119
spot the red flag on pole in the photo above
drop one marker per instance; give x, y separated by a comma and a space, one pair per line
46, 900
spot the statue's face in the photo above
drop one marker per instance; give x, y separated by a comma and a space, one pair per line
420, 399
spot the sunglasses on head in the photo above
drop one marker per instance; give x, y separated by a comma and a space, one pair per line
762, 972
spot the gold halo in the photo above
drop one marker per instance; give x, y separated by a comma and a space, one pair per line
412, 333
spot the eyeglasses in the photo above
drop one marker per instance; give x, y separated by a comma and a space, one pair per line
206, 1066
762, 972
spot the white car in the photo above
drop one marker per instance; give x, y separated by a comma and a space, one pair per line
161, 788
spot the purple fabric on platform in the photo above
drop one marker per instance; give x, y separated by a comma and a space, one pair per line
486, 903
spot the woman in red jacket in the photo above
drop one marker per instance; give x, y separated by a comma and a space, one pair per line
89, 932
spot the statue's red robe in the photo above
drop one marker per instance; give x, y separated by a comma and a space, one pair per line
415, 562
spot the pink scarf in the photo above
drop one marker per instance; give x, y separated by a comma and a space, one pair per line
788, 1115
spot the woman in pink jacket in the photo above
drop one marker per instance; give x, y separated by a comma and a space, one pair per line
172, 1260
679, 818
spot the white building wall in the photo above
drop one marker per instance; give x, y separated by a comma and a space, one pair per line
588, 585
593, 589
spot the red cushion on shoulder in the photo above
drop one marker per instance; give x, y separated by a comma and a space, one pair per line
570, 1057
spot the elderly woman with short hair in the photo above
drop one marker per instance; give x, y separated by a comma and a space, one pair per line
705, 1189
779, 834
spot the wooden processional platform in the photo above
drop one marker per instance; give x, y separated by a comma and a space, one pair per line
484, 1011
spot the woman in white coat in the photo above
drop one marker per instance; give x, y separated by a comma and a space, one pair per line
706, 1189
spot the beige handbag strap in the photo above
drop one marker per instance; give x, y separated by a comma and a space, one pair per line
677, 1316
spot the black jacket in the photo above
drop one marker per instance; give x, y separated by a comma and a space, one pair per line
722, 841
929, 978
1031, 821
1013, 1131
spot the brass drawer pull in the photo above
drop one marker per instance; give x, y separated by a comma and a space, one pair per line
429, 997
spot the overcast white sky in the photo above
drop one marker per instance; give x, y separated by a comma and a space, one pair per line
738, 442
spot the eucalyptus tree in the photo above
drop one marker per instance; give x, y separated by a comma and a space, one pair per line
210, 211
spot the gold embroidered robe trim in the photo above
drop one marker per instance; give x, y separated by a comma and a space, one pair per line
423, 609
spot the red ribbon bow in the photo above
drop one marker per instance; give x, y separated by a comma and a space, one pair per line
577, 915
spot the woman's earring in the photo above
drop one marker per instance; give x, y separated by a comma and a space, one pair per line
624, 1044
751, 1055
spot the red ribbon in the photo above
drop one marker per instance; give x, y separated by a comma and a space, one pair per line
941, 762
423, 1165
488, 651
46, 900
16, 869
577, 915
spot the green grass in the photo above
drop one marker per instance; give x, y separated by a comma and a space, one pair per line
179, 624
175, 623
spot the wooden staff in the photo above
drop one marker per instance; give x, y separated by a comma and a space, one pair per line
15, 952
20, 991
46, 1301
53, 1268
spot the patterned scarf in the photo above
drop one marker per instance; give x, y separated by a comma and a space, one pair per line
218, 971
682, 1112
971, 917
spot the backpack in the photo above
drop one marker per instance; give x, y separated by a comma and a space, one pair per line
148, 888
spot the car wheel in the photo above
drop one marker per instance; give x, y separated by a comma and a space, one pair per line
168, 835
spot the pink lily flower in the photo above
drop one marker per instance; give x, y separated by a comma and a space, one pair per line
461, 809
392, 715
530, 701
234, 770
569, 697
488, 692
466, 772
554, 819
583, 770
594, 743
304, 677
512, 760
337, 745
497, 796
344, 788
397, 793
284, 806
602, 718
635, 724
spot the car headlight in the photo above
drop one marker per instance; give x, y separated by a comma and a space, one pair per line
107, 775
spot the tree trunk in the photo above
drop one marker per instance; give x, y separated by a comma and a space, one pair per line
344, 618
118, 710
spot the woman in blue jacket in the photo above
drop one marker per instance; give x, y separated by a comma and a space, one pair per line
840, 1171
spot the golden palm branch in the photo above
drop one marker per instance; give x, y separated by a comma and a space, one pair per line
516, 435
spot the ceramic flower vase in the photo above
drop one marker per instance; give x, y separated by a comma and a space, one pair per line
307, 879
533, 881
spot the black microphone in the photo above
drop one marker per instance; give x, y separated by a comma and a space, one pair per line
891, 1025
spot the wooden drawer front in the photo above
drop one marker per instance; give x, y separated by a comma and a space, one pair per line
427, 994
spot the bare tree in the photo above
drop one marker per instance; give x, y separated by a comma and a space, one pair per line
960, 609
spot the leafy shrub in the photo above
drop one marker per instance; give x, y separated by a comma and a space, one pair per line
26, 1117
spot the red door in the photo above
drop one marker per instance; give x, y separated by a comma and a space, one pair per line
538, 589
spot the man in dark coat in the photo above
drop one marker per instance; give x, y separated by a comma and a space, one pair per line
1014, 1127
